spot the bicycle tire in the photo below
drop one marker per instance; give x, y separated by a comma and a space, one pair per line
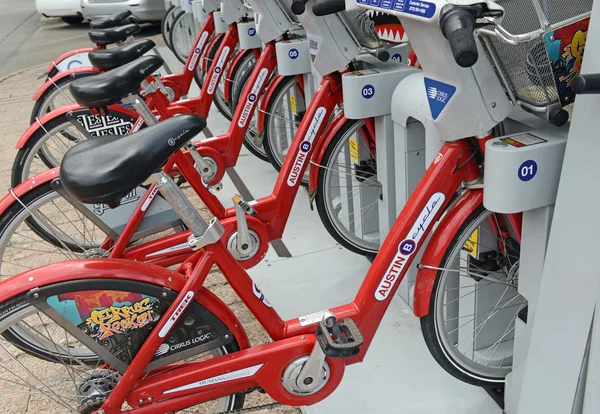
240, 76
181, 31
430, 323
167, 24
324, 205
274, 156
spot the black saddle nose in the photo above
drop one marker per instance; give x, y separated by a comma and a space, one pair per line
110, 87
106, 169
110, 21
108, 59
113, 35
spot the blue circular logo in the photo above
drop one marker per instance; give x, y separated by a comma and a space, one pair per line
293, 53
217, 70
305, 146
397, 57
368, 91
251, 31
74, 62
197, 50
527, 170
252, 97
407, 247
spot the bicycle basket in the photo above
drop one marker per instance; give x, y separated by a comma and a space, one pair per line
538, 71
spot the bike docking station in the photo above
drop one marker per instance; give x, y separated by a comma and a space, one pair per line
522, 174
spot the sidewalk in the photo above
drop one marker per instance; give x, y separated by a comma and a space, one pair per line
16, 91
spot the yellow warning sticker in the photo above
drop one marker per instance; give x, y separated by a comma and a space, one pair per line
293, 104
354, 150
472, 243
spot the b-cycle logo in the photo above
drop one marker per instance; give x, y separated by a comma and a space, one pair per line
408, 246
260, 295
256, 88
197, 50
302, 156
219, 67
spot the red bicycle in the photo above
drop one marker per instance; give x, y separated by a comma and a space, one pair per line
115, 332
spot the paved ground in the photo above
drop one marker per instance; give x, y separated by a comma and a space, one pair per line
27, 38
16, 91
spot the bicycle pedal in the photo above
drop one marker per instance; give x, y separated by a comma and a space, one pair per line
339, 339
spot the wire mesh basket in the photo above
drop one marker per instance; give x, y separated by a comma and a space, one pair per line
538, 49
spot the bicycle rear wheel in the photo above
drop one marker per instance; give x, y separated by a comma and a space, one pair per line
64, 366
56, 96
475, 301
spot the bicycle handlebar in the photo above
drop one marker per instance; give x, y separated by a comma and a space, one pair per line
327, 7
458, 26
587, 84
298, 6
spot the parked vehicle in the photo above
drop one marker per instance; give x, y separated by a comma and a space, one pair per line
142, 10
68, 10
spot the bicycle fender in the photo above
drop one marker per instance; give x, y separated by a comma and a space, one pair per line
228, 75
66, 55
446, 230
264, 102
61, 111
60, 75
28, 185
122, 270
320, 148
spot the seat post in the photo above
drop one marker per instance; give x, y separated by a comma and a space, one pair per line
141, 108
180, 203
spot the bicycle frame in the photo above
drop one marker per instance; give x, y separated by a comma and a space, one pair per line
263, 365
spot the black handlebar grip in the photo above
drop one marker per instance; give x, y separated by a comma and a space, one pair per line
298, 6
458, 26
327, 7
587, 84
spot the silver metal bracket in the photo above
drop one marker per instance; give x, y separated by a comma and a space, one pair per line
311, 378
212, 235
205, 166
244, 243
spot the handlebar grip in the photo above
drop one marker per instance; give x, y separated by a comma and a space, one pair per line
458, 26
298, 6
327, 7
587, 84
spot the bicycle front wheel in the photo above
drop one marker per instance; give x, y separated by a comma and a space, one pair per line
348, 191
219, 96
285, 110
475, 302
240, 75
167, 24
183, 35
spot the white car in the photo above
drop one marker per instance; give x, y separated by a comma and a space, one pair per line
68, 10
143, 11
